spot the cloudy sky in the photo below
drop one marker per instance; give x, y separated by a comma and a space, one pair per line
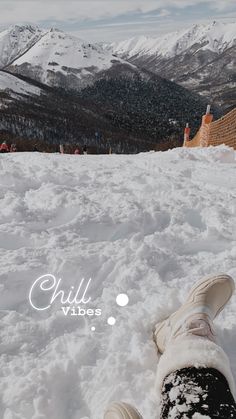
112, 20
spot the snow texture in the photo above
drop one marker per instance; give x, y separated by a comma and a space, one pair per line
147, 226
215, 37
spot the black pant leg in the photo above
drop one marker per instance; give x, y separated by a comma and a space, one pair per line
197, 390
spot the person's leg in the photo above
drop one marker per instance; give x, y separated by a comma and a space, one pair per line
121, 411
194, 379
194, 376
192, 391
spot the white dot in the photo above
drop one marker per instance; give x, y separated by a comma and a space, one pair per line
93, 328
122, 300
111, 321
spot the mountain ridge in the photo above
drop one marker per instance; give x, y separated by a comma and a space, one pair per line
174, 43
202, 59
16, 40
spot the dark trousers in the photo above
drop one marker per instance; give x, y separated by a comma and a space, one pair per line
191, 391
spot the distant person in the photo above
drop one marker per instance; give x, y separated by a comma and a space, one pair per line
61, 148
98, 135
13, 148
4, 147
77, 150
35, 148
85, 150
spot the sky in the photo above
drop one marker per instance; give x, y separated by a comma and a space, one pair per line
115, 20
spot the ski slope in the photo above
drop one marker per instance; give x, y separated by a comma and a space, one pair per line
148, 226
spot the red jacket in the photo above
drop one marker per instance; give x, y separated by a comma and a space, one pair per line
4, 147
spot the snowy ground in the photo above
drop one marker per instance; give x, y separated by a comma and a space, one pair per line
146, 225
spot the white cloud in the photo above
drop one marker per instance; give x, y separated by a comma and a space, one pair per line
60, 10
110, 20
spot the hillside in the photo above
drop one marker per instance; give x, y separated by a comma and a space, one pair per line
149, 226
130, 111
16, 88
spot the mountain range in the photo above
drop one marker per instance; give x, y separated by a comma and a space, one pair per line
201, 58
55, 87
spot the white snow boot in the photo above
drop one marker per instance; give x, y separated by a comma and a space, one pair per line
121, 411
187, 337
205, 301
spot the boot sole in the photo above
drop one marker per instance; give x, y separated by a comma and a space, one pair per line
124, 409
201, 285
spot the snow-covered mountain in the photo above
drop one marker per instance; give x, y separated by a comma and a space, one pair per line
59, 59
215, 37
201, 58
133, 109
16, 40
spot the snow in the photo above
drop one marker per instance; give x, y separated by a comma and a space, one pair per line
215, 37
11, 83
147, 226
61, 52
16, 40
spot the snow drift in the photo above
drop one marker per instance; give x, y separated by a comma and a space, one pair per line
148, 226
